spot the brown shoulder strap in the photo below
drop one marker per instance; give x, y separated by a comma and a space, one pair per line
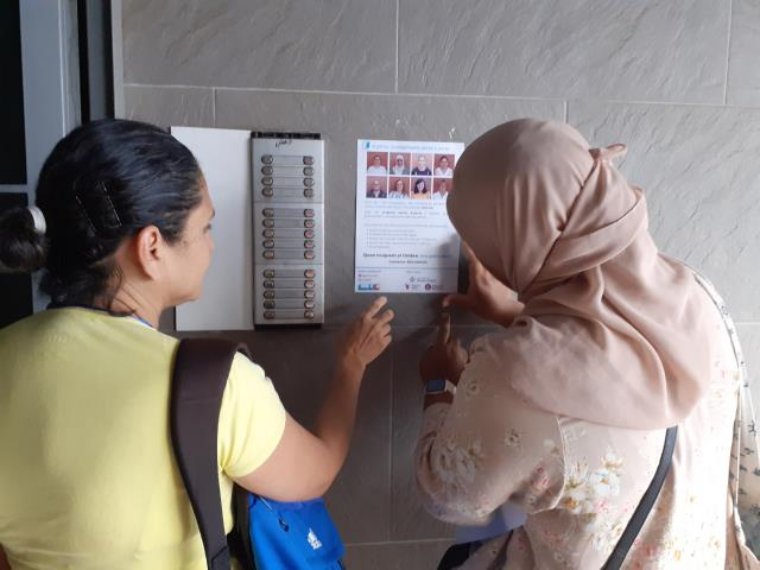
201, 368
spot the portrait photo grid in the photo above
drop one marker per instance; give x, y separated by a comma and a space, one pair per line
409, 175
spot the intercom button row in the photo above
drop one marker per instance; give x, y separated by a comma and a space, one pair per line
291, 223
307, 181
286, 159
269, 254
271, 315
287, 213
288, 234
289, 294
308, 284
268, 192
272, 305
288, 244
286, 172
289, 273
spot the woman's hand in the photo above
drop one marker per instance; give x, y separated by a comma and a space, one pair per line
323, 453
367, 337
445, 358
486, 296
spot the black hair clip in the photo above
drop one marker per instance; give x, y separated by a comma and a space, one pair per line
115, 215
98, 209
86, 215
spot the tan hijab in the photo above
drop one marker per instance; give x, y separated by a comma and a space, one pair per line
612, 330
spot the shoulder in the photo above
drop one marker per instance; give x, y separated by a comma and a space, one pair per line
250, 388
251, 420
244, 370
22, 325
487, 373
487, 377
250, 391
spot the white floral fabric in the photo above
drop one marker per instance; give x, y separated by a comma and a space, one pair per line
580, 482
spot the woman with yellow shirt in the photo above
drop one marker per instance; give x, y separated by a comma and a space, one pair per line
122, 230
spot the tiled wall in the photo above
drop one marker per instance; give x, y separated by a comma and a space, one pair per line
677, 80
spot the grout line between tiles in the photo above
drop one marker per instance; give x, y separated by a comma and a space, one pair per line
728, 50
213, 106
463, 96
398, 8
352, 93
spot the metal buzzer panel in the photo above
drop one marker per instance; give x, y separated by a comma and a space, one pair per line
288, 228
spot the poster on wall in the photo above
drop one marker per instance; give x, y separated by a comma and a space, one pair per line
405, 242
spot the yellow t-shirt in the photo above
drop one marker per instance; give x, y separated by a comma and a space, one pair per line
87, 474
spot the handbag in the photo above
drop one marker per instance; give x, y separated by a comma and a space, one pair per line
268, 535
459, 553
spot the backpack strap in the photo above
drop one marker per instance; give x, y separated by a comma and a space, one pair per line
201, 368
645, 506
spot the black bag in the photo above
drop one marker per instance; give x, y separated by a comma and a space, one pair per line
268, 535
201, 368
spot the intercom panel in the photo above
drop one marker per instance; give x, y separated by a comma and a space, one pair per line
288, 228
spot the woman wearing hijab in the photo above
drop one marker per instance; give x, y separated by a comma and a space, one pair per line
399, 166
562, 414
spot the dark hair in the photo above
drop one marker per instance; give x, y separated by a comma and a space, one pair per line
416, 182
101, 184
21, 247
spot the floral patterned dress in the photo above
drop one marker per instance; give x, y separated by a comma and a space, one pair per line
580, 482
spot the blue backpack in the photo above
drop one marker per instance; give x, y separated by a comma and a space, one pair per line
268, 535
